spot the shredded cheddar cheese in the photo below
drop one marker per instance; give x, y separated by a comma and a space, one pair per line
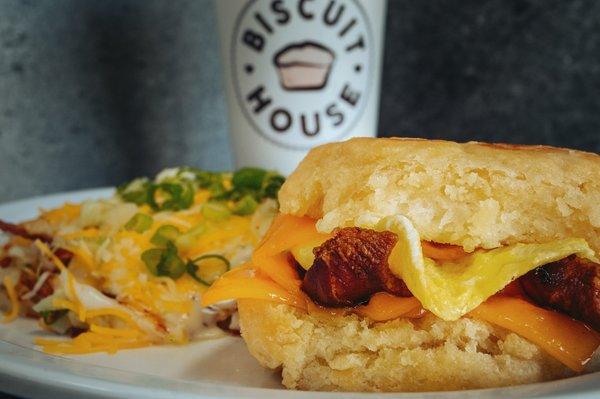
72, 293
63, 214
14, 301
46, 251
83, 255
85, 233
90, 342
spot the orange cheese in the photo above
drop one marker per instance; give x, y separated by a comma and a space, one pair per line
271, 257
66, 213
287, 232
91, 342
247, 283
9, 286
279, 269
383, 307
83, 257
567, 340
85, 233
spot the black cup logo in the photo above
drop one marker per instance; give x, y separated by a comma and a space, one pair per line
302, 69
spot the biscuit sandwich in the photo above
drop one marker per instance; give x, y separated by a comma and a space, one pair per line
418, 265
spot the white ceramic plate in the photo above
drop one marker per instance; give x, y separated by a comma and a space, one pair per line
220, 368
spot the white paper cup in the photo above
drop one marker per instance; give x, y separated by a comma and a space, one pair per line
299, 73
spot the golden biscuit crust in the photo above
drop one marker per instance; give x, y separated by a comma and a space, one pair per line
348, 353
471, 194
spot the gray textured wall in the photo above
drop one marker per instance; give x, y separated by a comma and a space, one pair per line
520, 71
95, 92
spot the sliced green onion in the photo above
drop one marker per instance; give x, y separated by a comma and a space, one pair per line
171, 264
206, 272
164, 261
215, 211
246, 206
139, 223
204, 179
172, 196
187, 196
165, 234
248, 178
272, 184
51, 316
136, 191
152, 258
218, 191
176, 189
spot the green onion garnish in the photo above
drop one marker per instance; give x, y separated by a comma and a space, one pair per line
215, 211
207, 269
51, 316
171, 196
248, 179
176, 192
271, 185
171, 265
151, 258
165, 234
136, 191
246, 206
139, 223
164, 261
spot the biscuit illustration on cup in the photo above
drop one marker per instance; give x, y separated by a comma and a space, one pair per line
304, 66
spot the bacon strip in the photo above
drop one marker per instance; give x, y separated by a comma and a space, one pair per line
28, 281
64, 255
571, 285
21, 231
352, 266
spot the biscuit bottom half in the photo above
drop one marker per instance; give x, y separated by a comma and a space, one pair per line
324, 352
